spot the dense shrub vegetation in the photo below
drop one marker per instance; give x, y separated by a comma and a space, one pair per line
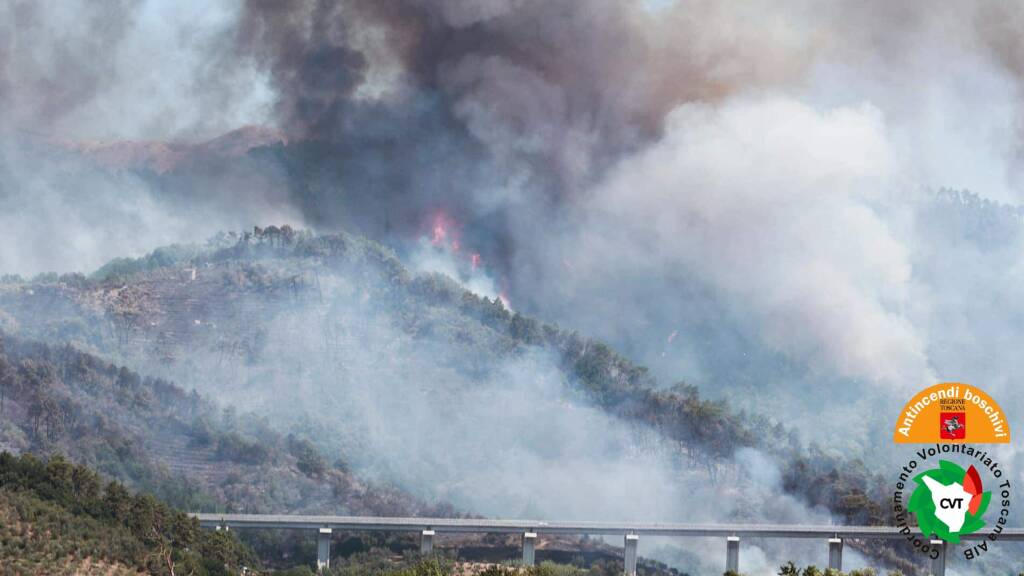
791, 569
59, 517
375, 565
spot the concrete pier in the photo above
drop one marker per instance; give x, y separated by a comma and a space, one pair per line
427, 542
732, 554
323, 549
938, 567
629, 554
835, 553
529, 548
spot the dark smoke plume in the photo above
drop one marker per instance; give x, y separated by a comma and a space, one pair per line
495, 113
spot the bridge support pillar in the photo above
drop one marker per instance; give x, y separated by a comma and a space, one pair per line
939, 562
835, 553
629, 554
323, 549
529, 546
427, 542
732, 554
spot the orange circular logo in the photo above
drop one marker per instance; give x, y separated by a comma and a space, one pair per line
952, 412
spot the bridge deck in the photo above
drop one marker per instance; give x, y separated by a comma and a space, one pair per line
467, 525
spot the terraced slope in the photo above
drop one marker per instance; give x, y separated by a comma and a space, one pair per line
156, 437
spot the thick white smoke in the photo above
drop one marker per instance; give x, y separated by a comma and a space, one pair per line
78, 74
440, 415
782, 210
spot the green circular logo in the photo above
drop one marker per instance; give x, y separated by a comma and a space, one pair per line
949, 501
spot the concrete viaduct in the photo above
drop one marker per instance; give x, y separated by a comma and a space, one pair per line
833, 536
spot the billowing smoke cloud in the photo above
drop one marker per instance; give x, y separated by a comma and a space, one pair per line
771, 204
765, 156
493, 112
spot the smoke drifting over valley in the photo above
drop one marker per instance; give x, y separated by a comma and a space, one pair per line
754, 197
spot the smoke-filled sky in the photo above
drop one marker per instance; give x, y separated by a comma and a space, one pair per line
734, 193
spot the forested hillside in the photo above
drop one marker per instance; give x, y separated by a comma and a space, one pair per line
157, 438
224, 301
256, 318
61, 518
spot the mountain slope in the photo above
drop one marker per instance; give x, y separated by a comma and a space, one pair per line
160, 440
157, 438
414, 380
222, 303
